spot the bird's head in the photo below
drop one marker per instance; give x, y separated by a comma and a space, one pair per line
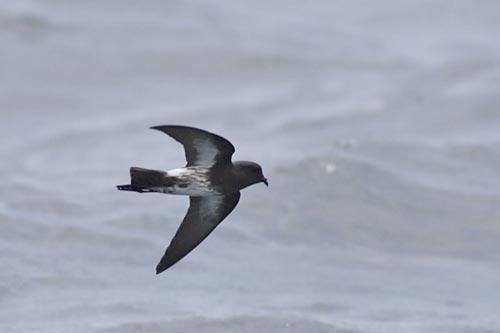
251, 172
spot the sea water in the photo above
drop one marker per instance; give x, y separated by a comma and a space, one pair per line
377, 124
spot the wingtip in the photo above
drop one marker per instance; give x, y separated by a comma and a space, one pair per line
161, 268
163, 128
165, 263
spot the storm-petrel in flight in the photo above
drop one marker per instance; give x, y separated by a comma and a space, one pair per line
210, 179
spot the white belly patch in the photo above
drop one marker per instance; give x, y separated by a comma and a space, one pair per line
192, 181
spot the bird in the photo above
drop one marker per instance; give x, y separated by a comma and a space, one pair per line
210, 179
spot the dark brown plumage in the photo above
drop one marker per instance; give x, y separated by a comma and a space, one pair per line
211, 180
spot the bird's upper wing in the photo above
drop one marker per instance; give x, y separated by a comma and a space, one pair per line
201, 147
203, 215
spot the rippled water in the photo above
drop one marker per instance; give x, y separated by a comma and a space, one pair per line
377, 124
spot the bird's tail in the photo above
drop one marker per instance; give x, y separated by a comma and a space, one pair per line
146, 177
142, 180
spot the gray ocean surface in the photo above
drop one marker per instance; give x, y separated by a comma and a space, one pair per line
376, 122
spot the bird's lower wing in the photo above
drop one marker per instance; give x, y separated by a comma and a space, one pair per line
203, 215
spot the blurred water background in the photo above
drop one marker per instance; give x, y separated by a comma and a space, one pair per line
376, 122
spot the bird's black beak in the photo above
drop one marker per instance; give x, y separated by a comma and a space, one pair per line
265, 181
